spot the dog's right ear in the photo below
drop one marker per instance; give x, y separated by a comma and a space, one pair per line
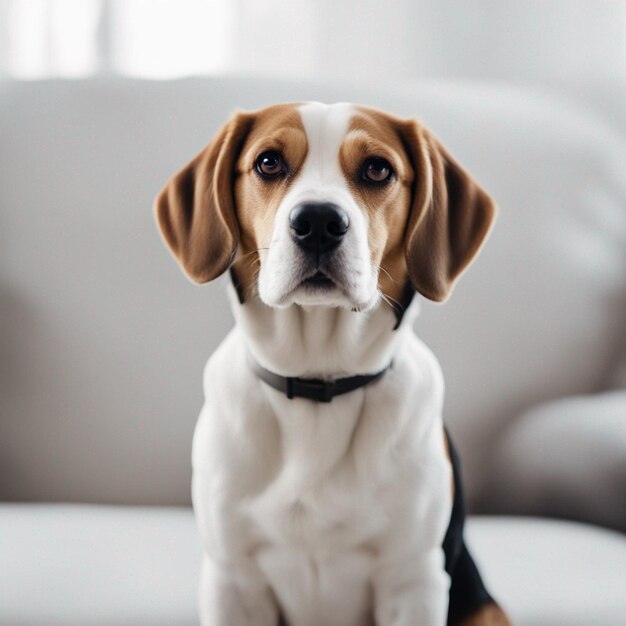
195, 211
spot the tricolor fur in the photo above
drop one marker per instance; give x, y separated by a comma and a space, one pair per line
324, 514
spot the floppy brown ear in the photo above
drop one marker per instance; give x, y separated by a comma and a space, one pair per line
450, 216
195, 210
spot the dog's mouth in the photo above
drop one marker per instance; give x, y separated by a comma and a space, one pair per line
319, 281
322, 286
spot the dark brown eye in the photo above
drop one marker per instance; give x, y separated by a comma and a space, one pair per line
270, 164
377, 170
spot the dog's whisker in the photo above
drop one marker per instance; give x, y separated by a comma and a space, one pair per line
247, 254
391, 278
385, 299
390, 299
392, 302
251, 286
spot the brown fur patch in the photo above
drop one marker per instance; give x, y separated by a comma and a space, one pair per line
488, 615
431, 220
373, 133
276, 128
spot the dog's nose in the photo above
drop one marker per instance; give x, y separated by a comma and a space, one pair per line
318, 227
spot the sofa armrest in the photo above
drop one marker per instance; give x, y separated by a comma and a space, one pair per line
566, 459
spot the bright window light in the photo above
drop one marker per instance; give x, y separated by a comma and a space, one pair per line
52, 37
27, 45
163, 39
73, 37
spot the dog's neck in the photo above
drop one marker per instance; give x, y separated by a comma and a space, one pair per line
318, 341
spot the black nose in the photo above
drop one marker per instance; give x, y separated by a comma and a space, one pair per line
318, 227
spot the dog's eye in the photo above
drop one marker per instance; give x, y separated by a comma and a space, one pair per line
377, 170
270, 164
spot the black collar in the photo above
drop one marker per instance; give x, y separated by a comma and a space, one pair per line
313, 388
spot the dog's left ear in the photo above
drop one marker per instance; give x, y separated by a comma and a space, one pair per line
195, 211
449, 219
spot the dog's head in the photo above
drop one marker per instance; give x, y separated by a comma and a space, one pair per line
325, 204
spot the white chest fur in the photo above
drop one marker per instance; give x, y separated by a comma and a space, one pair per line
313, 501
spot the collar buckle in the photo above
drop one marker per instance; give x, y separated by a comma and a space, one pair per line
314, 389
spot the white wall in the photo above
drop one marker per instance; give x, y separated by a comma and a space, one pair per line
576, 47
536, 41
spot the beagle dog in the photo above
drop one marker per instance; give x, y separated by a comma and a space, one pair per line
325, 487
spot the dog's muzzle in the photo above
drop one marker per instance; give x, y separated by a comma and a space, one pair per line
318, 227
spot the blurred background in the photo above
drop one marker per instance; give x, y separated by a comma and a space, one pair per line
102, 340
577, 47
531, 96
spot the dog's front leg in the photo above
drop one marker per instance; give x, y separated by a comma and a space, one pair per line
235, 596
233, 590
412, 591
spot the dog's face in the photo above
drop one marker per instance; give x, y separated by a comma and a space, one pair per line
334, 205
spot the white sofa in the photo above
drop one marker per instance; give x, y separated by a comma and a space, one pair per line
103, 344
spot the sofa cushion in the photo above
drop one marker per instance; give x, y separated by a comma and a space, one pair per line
551, 573
105, 341
71, 565
75, 565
